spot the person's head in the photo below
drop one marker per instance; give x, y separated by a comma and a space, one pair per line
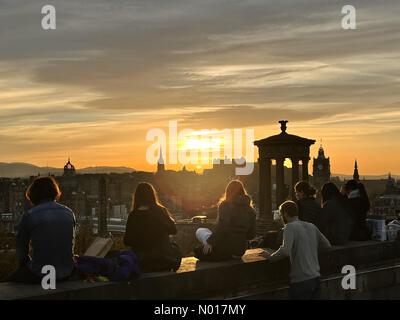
330, 191
304, 190
289, 211
144, 196
43, 189
351, 185
233, 190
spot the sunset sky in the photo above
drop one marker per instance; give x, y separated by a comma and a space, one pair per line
112, 70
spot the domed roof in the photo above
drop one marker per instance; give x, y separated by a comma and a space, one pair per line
284, 138
69, 165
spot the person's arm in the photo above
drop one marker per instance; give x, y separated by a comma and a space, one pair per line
286, 248
223, 222
323, 242
128, 240
169, 222
251, 233
22, 241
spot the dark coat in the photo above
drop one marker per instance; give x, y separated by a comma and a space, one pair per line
359, 215
309, 210
335, 222
147, 234
236, 225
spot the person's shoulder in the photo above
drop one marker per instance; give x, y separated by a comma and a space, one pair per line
61, 207
310, 225
160, 210
298, 224
224, 206
292, 225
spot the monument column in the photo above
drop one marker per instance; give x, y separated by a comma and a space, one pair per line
268, 191
280, 181
295, 175
262, 174
305, 168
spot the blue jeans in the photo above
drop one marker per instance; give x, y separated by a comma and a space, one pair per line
306, 290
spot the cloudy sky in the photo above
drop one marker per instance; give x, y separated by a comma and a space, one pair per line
112, 70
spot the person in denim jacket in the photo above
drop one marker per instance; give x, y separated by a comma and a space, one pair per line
49, 229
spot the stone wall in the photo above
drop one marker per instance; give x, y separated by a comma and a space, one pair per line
252, 277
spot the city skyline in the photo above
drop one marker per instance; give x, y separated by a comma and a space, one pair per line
92, 88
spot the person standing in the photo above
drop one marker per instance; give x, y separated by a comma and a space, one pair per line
335, 221
301, 242
360, 205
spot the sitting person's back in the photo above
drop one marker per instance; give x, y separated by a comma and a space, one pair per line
49, 228
147, 232
148, 229
235, 226
335, 221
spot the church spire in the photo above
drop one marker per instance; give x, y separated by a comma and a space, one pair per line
356, 176
160, 163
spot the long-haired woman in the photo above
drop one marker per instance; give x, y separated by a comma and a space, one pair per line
335, 221
360, 205
235, 226
147, 231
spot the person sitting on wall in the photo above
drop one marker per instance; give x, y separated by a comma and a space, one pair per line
309, 209
301, 241
147, 232
360, 205
335, 221
50, 229
235, 226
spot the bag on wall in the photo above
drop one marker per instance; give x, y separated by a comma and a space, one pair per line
123, 267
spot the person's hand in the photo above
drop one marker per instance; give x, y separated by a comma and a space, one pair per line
207, 249
265, 254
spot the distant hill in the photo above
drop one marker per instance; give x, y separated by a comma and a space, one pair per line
366, 177
18, 169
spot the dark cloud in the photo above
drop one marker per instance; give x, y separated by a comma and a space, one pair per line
246, 116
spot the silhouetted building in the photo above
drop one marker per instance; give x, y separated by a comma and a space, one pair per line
388, 204
321, 169
356, 176
279, 147
160, 163
69, 169
392, 187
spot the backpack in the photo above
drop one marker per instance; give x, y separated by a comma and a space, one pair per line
123, 267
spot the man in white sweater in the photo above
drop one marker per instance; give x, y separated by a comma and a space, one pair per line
301, 241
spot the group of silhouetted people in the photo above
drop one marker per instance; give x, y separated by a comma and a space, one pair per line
342, 214
49, 229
